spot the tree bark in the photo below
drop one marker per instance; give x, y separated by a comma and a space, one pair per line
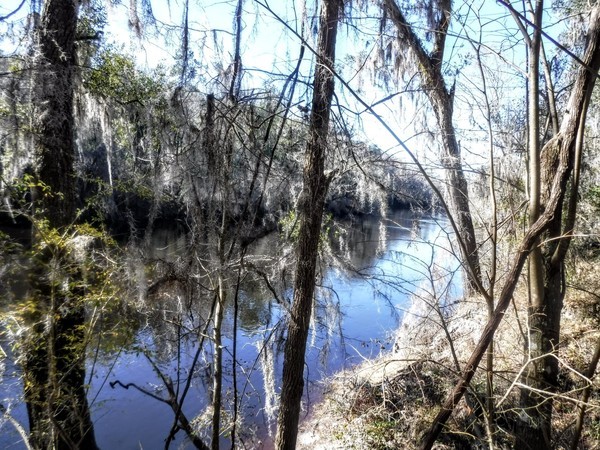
532, 434
545, 310
55, 122
54, 367
581, 407
217, 365
310, 214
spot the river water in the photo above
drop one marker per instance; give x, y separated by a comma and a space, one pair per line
366, 284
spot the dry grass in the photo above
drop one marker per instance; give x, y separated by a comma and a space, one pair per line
389, 402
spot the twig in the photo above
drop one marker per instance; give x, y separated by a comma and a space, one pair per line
7, 416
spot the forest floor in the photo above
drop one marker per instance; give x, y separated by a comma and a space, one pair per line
387, 403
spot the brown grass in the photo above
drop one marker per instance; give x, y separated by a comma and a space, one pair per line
389, 402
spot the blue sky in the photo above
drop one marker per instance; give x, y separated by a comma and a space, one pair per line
268, 46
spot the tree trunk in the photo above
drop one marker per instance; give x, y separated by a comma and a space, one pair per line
458, 190
225, 188
310, 214
54, 367
534, 433
217, 365
549, 283
55, 121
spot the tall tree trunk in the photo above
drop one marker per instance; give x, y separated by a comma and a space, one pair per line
443, 104
55, 122
217, 365
54, 368
221, 257
547, 282
310, 214
534, 432
442, 101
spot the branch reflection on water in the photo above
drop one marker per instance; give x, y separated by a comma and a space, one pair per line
368, 272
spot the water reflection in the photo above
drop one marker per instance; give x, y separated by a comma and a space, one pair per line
368, 273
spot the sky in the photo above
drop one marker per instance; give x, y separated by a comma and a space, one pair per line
266, 44
268, 47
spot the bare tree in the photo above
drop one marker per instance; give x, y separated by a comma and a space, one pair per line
559, 162
441, 98
311, 203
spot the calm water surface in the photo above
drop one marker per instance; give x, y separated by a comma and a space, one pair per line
364, 292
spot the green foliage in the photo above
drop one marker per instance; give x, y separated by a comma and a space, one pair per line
90, 26
115, 76
99, 234
72, 263
20, 191
593, 197
137, 187
91, 20
8, 246
380, 434
289, 226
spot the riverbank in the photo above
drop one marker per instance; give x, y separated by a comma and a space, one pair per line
389, 402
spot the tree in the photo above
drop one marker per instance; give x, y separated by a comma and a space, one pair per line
310, 210
559, 161
54, 367
441, 98
227, 159
547, 261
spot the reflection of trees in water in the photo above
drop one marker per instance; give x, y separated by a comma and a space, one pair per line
360, 243
175, 325
166, 317
269, 348
171, 308
179, 291
326, 316
255, 305
54, 347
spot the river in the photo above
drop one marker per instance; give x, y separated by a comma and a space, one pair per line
372, 270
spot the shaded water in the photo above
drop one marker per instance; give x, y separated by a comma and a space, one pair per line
373, 269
